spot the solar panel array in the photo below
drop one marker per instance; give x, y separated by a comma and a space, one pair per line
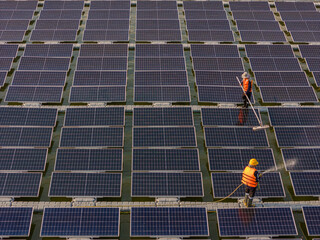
160, 73
157, 21
108, 21
101, 74
311, 216
7, 55
155, 222
310, 53
207, 22
58, 22
268, 222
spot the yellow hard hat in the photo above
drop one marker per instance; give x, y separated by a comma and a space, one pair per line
253, 162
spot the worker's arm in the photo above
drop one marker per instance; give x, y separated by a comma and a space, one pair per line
249, 87
257, 175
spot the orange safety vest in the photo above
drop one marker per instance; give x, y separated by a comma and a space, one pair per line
247, 85
248, 177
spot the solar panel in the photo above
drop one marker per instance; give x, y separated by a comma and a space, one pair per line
85, 184
157, 5
25, 137
275, 64
228, 117
312, 219
275, 51
316, 76
8, 50
110, 116
157, 14
204, 14
295, 6
232, 159
39, 78
14, 116
271, 185
273, 79
92, 137
98, 94
305, 183
160, 64
203, 5
294, 116
180, 116
210, 35
159, 50
305, 36
159, 34
53, 35
89, 160
63, 5
268, 222
19, 5
102, 63
250, 25
220, 94
235, 137
111, 14
44, 63
106, 35
11, 35
182, 222
161, 94
48, 50
3, 76
301, 159
14, 25
95, 222
100, 78
253, 15
60, 14
217, 78
164, 137
15, 221
158, 184
297, 136
245, 6
217, 64
34, 94
57, 24
303, 16
23, 159
5, 63
288, 94
107, 24
16, 14
207, 51
20, 184
303, 25
104, 50
165, 160
162, 78
208, 25
263, 36
111, 5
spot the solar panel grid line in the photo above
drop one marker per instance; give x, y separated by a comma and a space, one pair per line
302, 159
174, 160
219, 159
222, 183
169, 222
180, 116
269, 222
99, 117
18, 184
83, 222
305, 183
228, 117
23, 159
166, 184
312, 220
89, 160
85, 184
15, 221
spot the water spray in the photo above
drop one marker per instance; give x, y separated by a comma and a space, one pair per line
259, 120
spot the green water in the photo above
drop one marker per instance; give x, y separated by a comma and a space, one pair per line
126, 177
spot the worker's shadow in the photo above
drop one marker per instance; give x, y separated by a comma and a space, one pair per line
243, 116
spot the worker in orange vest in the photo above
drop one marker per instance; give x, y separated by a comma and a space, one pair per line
250, 178
247, 87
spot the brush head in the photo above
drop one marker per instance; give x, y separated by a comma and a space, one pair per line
260, 127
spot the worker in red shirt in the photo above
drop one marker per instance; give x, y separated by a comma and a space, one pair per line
247, 87
250, 178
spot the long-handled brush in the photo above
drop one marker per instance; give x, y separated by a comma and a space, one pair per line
259, 121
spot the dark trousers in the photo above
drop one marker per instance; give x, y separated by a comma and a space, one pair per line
251, 191
245, 100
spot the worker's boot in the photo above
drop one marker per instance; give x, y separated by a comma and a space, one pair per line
245, 200
250, 203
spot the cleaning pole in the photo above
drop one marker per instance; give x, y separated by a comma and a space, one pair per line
259, 121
